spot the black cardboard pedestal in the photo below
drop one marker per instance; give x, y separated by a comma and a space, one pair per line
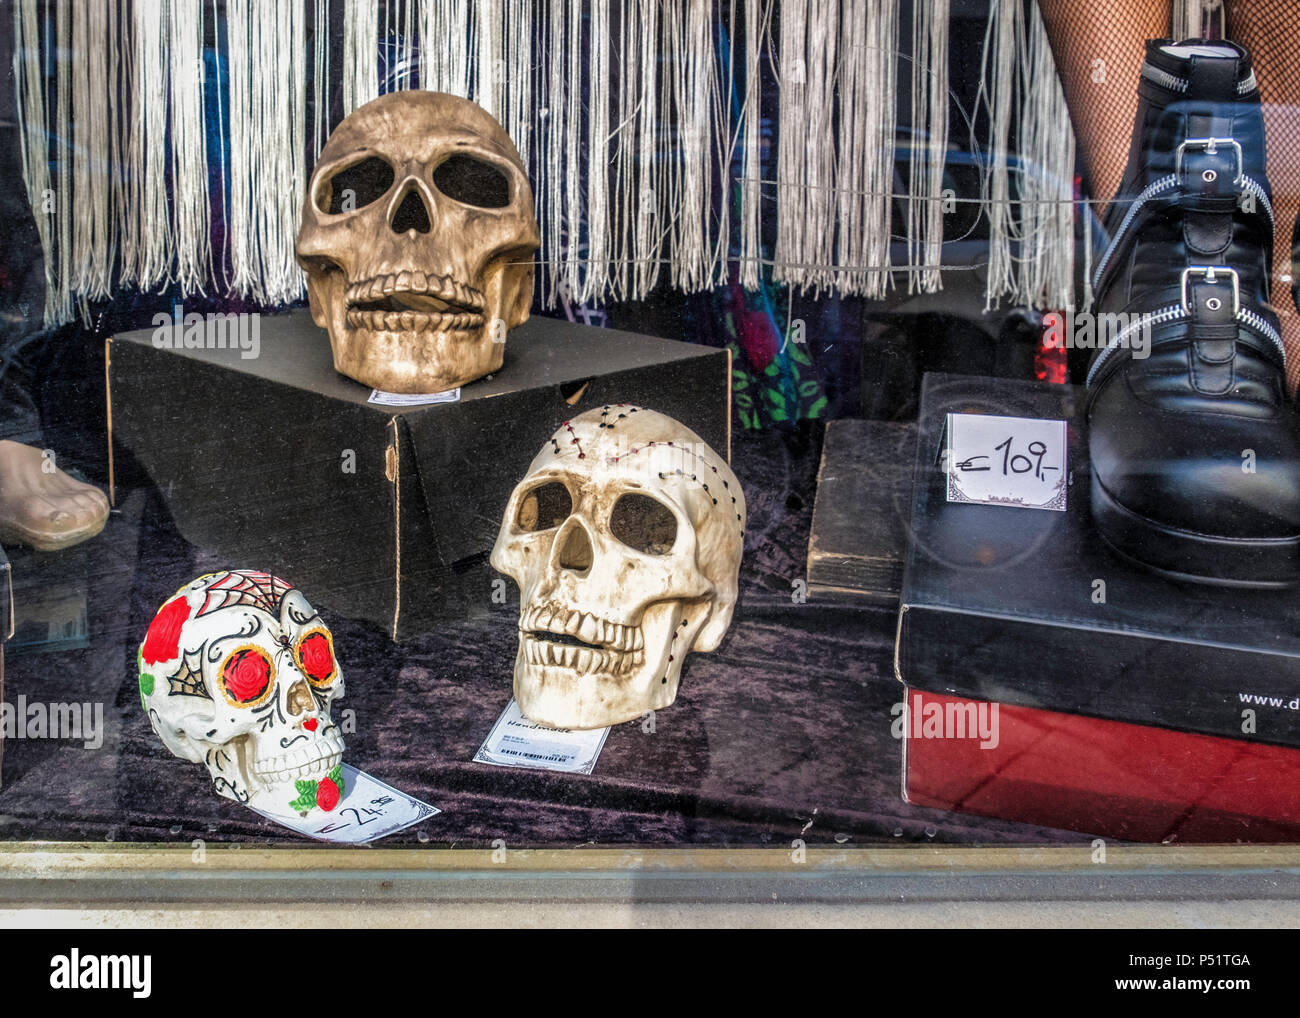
1029, 607
382, 513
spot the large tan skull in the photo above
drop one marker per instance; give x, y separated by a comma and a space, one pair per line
625, 539
416, 236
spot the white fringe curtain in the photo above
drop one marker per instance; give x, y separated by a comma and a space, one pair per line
1031, 242
643, 131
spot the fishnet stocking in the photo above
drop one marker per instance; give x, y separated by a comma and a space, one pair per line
1099, 49
1268, 29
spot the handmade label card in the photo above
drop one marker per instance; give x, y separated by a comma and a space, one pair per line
413, 399
517, 742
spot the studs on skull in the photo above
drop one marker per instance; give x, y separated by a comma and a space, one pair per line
472, 181
355, 186
644, 524
544, 507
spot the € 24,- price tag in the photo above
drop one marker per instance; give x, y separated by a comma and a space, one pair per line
369, 810
1007, 461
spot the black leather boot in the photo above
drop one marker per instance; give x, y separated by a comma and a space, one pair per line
1194, 446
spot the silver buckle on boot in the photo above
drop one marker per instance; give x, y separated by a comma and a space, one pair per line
1211, 147
1211, 275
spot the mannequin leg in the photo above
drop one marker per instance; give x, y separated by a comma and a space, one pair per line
1269, 29
1099, 49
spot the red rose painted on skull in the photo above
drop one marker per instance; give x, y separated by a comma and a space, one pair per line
162, 642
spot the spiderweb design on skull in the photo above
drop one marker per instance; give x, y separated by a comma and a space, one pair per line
261, 590
188, 681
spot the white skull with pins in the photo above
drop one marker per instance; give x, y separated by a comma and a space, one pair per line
625, 539
238, 672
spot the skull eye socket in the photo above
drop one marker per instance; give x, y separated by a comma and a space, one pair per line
245, 676
314, 654
545, 507
355, 187
471, 181
644, 524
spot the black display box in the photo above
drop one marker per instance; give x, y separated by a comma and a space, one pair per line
251, 455
1003, 603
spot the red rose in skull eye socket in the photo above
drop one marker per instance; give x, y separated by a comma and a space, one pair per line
246, 675
316, 657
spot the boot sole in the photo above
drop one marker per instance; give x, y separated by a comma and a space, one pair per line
1265, 563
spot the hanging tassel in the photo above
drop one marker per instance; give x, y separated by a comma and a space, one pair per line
445, 42
925, 204
320, 75
551, 101
517, 82
147, 254
862, 190
574, 286
1019, 76
598, 159
360, 53
1047, 189
93, 39
695, 102
29, 87
268, 90
757, 15
191, 228
650, 187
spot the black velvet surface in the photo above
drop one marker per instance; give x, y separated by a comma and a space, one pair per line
782, 733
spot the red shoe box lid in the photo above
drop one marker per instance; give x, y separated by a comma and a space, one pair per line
1109, 778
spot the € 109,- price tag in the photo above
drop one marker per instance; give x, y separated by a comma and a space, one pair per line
1007, 461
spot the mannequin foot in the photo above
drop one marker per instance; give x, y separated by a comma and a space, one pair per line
43, 507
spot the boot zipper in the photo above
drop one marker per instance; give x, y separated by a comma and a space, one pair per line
1175, 312
1154, 190
1173, 83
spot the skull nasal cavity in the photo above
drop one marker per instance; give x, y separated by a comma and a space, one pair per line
299, 699
411, 214
575, 548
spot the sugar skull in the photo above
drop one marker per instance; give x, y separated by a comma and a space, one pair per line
238, 672
625, 538
417, 237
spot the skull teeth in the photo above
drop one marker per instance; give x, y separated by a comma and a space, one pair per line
581, 659
414, 282
413, 321
312, 760
613, 647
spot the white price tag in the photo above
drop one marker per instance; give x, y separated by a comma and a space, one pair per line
1008, 461
413, 399
517, 742
369, 810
